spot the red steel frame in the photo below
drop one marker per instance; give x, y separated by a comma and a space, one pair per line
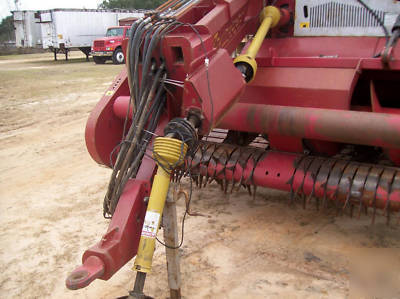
303, 89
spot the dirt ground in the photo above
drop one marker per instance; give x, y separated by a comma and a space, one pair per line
51, 195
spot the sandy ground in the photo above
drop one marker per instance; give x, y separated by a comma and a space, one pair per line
51, 196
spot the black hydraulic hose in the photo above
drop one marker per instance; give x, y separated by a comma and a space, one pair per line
121, 181
147, 58
135, 54
147, 136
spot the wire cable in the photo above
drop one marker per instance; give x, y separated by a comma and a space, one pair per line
380, 22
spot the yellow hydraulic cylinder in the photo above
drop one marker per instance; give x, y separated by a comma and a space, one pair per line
169, 153
270, 17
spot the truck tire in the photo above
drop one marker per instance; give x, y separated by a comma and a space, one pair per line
99, 60
118, 56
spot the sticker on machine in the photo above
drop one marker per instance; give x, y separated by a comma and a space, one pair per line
150, 224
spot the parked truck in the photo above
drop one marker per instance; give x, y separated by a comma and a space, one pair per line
66, 29
110, 46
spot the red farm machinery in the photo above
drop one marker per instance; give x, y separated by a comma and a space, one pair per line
314, 81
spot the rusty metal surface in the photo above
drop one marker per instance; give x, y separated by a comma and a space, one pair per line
318, 124
345, 183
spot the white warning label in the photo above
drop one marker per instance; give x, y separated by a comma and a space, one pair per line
150, 224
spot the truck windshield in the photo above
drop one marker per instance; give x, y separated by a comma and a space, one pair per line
115, 32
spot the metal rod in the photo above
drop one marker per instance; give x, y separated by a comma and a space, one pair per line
351, 127
137, 292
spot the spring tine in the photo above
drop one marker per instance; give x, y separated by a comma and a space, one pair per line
208, 156
336, 194
323, 177
344, 188
291, 180
371, 184
386, 183
226, 186
243, 164
254, 192
248, 189
255, 162
215, 159
307, 163
236, 155
334, 179
314, 171
200, 180
347, 196
374, 199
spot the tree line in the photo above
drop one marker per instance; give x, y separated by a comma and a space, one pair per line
131, 4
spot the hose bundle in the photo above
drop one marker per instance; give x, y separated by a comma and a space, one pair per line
147, 94
147, 101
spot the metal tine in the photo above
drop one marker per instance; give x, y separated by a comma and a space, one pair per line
226, 186
223, 170
201, 180
243, 165
199, 165
228, 156
362, 193
324, 199
335, 195
304, 178
216, 158
214, 147
350, 180
196, 180
349, 190
250, 179
374, 201
248, 189
314, 182
220, 183
387, 204
291, 180
234, 169
254, 192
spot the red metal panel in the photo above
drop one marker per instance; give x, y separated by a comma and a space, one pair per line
302, 87
120, 243
103, 128
220, 79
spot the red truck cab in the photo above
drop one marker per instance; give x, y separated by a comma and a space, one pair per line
110, 46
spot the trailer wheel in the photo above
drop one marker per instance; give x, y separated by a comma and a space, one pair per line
118, 56
99, 60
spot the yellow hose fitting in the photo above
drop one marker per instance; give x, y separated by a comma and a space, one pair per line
269, 17
169, 153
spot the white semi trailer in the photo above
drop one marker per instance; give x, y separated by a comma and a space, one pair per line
66, 29
27, 31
